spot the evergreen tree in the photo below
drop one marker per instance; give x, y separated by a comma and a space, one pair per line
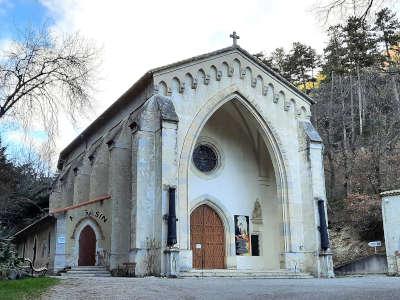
279, 62
298, 66
361, 50
388, 27
335, 52
301, 62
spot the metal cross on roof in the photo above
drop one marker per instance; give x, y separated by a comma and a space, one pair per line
235, 37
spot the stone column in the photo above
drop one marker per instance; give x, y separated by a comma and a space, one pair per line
391, 226
325, 263
67, 187
60, 256
82, 182
56, 197
120, 189
293, 214
134, 160
323, 266
169, 174
153, 170
144, 197
99, 175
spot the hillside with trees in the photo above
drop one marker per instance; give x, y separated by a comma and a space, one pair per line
24, 192
355, 82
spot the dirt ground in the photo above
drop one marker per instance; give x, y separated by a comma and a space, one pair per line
369, 287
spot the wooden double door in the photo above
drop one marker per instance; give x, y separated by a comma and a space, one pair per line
207, 238
87, 247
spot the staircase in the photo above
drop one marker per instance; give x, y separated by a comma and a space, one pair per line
245, 274
89, 271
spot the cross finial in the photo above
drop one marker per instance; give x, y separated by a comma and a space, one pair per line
235, 37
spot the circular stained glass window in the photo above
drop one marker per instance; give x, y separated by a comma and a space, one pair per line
205, 158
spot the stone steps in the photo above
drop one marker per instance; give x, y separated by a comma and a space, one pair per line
89, 271
245, 274
88, 268
85, 275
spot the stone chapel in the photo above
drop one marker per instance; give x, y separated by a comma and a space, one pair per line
208, 163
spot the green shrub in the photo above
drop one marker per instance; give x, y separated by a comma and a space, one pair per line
9, 261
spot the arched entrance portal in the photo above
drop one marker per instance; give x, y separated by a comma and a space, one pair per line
235, 158
207, 238
87, 247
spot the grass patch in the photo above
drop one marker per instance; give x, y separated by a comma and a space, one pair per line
25, 288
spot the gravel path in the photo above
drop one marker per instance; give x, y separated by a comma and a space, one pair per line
370, 287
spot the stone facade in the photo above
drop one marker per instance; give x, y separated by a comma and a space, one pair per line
391, 227
115, 176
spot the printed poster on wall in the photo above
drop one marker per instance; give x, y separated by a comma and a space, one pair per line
242, 236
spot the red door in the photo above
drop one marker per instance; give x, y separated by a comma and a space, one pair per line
87, 247
207, 239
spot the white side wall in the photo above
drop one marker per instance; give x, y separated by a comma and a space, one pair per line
391, 226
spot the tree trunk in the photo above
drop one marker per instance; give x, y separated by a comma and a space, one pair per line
331, 109
387, 47
395, 90
376, 170
360, 102
344, 131
329, 146
364, 100
332, 178
353, 131
345, 144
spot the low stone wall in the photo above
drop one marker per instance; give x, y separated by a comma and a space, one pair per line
373, 264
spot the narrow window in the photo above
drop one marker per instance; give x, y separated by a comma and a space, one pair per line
255, 248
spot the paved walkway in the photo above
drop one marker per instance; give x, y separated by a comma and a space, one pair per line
371, 287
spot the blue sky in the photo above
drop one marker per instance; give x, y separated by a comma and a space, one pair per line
16, 14
16, 139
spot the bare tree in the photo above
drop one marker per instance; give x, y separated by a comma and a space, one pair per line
359, 161
42, 75
342, 9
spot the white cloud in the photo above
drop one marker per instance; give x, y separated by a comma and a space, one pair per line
5, 44
139, 35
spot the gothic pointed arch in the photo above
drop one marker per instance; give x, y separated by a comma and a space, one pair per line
89, 220
270, 137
